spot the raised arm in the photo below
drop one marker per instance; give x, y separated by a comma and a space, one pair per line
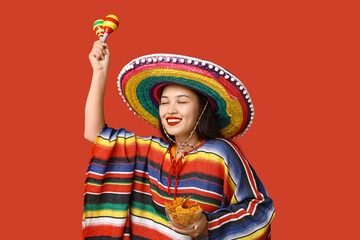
94, 108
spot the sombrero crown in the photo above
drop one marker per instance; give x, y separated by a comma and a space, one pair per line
141, 80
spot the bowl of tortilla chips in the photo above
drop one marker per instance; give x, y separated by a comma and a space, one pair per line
183, 213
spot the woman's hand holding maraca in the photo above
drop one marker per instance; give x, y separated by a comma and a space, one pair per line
99, 56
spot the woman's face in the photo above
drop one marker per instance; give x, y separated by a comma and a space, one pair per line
179, 110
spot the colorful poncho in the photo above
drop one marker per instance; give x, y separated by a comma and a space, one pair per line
127, 186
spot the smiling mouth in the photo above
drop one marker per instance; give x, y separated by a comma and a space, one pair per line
173, 121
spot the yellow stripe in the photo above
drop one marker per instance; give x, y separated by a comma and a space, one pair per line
208, 156
130, 141
105, 213
232, 104
148, 215
112, 16
104, 142
119, 140
155, 145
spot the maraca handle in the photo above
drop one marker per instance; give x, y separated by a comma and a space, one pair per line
104, 37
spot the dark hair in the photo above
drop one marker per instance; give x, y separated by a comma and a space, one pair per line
207, 128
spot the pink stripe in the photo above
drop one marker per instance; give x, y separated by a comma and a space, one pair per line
165, 65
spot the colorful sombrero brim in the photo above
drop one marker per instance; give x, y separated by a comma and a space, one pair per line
140, 82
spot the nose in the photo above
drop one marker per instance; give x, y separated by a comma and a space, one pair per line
172, 108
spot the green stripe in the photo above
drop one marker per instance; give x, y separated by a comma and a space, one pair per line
99, 22
105, 206
143, 90
147, 208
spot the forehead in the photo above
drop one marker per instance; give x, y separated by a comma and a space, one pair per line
177, 90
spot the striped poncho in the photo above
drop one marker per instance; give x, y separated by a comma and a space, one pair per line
127, 186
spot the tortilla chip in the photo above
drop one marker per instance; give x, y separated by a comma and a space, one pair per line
182, 212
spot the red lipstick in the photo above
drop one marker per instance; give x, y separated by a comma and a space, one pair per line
172, 121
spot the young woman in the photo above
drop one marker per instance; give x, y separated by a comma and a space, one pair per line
197, 105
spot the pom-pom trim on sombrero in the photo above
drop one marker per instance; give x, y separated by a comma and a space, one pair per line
140, 80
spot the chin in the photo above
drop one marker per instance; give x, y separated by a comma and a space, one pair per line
171, 131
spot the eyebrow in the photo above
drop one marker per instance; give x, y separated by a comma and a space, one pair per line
178, 96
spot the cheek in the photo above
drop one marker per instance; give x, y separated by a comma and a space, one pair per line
161, 111
162, 116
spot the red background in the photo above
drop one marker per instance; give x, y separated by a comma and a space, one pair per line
298, 59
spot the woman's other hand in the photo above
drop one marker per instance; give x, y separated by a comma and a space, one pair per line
200, 228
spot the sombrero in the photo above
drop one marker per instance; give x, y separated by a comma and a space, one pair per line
141, 80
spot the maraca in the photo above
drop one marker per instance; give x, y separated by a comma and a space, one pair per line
98, 28
111, 22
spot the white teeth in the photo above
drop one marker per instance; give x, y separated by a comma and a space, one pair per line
173, 120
